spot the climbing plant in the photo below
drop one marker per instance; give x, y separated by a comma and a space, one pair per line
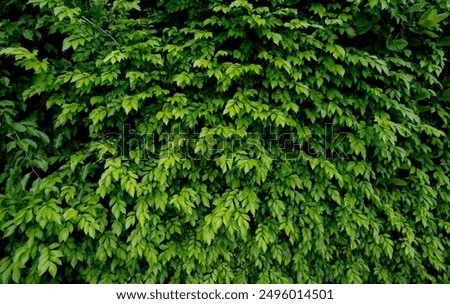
270, 141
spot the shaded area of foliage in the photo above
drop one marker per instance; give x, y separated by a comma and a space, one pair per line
189, 141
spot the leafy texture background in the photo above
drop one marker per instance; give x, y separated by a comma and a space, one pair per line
145, 142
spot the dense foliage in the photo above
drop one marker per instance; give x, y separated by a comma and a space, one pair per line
180, 141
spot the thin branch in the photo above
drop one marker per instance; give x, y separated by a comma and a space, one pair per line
28, 157
99, 28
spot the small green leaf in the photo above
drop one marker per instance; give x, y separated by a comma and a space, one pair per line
398, 182
18, 127
70, 213
431, 34
396, 44
444, 41
63, 235
52, 269
41, 164
24, 181
446, 94
431, 18
350, 32
28, 34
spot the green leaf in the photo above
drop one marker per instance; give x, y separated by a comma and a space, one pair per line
28, 34
24, 180
444, 41
396, 44
52, 269
362, 26
73, 42
63, 235
41, 164
70, 213
398, 182
446, 94
18, 127
431, 34
275, 37
431, 18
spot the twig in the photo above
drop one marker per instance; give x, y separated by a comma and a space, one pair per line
98, 27
28, 157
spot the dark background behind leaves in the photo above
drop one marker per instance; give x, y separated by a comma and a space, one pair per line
75, 208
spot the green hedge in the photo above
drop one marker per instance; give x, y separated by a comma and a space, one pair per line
271, 141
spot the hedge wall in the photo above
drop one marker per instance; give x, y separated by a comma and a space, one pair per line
271, 141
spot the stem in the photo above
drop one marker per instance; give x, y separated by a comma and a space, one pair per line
28, 157
97, 27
